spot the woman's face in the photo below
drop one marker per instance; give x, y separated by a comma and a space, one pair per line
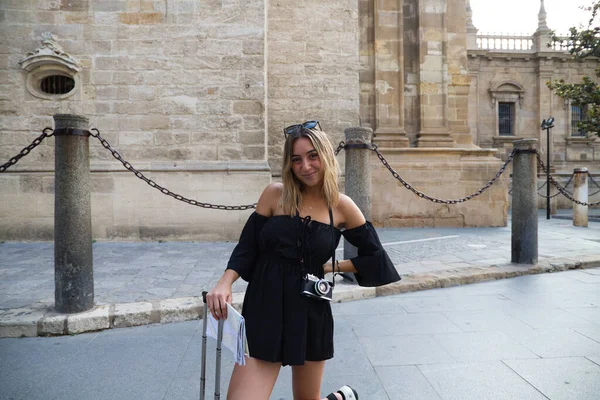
306, 163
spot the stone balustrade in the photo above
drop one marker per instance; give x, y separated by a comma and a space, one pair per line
505, 42
515, 43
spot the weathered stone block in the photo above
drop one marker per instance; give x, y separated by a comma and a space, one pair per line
30, 184
9, 184
132, 314
155, 122
53, 324
183, 309
94, 320
20, 322
74, 5
136, 138
142, 18
248, 107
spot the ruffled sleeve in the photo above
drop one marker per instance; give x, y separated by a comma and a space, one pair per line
245, 254
372, 263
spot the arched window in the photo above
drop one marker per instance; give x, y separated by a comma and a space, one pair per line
52, 73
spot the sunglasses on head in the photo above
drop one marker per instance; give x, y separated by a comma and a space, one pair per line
293, 129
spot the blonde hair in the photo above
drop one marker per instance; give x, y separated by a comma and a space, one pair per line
292, 187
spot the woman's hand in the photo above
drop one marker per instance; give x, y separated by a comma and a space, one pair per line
217, 299
327, 268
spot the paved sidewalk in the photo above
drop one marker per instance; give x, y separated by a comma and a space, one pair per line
140, 283
530, 337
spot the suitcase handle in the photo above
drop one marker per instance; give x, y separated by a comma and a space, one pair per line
218, 361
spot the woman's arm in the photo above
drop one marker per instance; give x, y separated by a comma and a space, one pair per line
245, 253
372, 266
351, 217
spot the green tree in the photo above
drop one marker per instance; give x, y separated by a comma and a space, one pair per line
583, 43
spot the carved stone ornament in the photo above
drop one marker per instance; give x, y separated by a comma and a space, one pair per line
49, 53
49, 59
507, 91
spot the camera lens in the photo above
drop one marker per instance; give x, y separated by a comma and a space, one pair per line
322, 287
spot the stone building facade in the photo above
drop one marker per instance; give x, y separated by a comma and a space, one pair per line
509, 99
195, 95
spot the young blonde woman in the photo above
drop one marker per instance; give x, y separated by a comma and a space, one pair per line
285, 246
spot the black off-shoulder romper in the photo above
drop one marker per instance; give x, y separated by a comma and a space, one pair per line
281, 324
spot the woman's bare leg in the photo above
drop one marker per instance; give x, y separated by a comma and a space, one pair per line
254, 381
307, 379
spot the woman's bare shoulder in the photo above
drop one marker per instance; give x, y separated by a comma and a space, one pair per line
267, 203
351, 214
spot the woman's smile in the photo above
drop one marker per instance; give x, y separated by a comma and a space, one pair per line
306, 162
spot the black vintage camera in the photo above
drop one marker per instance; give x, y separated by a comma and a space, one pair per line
316, 288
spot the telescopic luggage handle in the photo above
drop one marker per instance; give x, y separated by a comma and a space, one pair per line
218, 361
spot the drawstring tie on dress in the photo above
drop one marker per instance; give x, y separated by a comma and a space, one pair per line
303, 243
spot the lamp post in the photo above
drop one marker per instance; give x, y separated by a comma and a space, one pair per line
547, 124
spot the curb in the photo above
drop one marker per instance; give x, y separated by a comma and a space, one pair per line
28, 322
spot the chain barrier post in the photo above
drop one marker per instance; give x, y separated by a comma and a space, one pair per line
358, 175
73, 270
580, 193
524, 225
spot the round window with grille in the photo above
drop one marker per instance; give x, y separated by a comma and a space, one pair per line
57, 84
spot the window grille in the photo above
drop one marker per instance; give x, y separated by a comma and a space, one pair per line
57, 84
506, 119
577, 115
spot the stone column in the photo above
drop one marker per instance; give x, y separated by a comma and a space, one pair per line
73, 271
524, 225
580, 193
389, 74
433, 80
358, 176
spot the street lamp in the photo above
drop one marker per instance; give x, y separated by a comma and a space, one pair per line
547, 124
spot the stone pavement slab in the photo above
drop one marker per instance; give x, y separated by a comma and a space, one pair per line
147, 282
479, 361
561, 378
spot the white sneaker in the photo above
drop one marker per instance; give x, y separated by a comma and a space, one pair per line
348, 393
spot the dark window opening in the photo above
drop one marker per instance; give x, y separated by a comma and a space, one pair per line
57, 84
506, 119
578, 114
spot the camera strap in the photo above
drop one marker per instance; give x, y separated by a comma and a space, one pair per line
333, 245
302, 242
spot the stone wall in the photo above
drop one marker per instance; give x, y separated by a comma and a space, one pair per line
179, 80
187, 91
445, 174
177, 87
313, 67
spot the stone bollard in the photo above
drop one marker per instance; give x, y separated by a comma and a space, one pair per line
580, 193
524, 226
358, 175
73, 270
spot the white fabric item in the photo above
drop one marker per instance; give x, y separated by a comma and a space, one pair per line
234, 333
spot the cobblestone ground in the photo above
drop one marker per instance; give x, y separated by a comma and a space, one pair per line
136, 271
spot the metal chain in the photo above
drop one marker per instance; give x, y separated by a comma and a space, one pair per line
562, 190
340, 147
27, 149
436, 200
555, 194
595, 183
160, 188
593, 180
